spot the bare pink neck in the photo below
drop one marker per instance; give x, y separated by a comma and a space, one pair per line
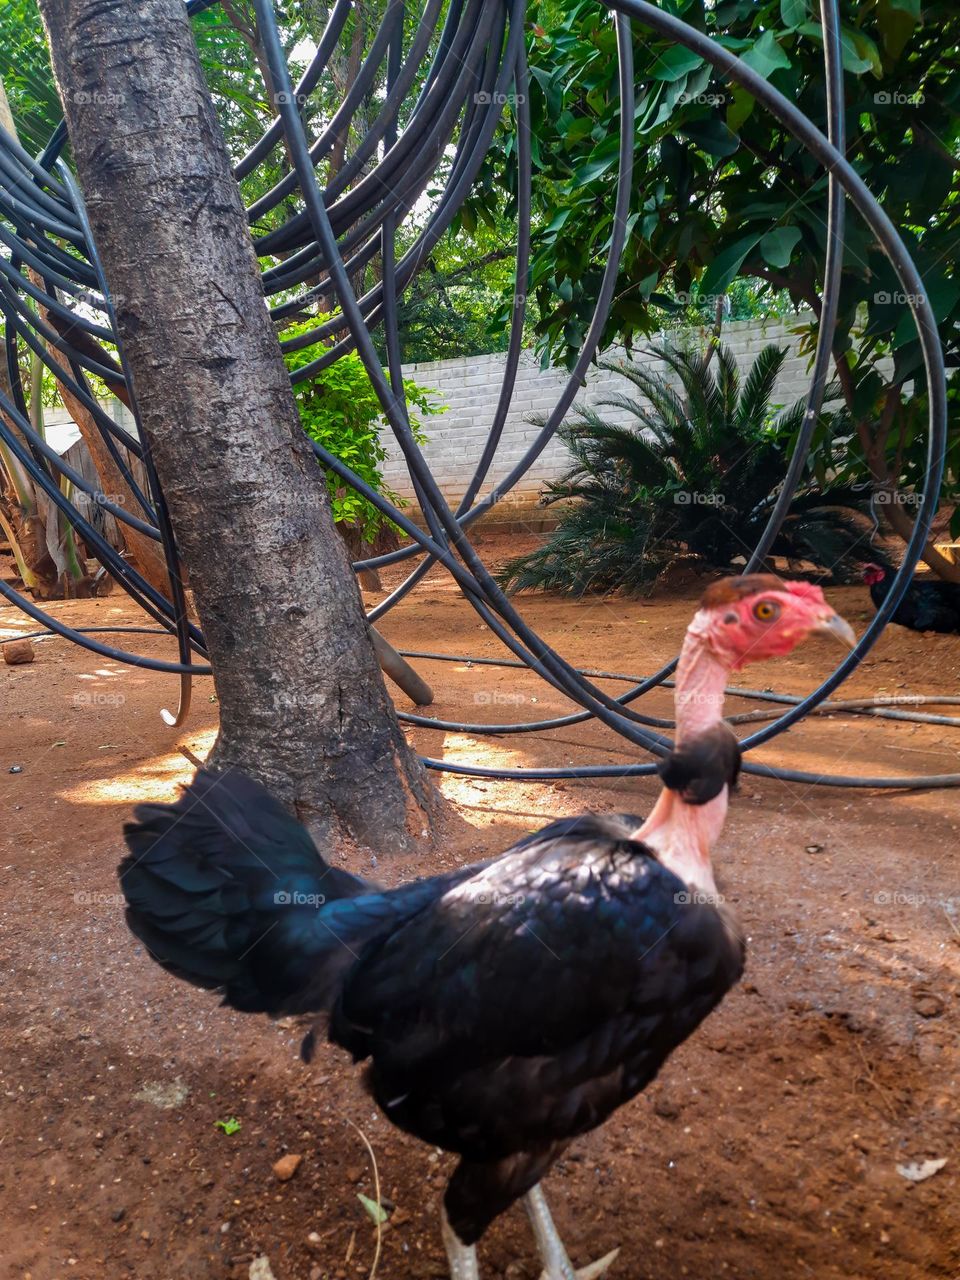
682, 835
701, 680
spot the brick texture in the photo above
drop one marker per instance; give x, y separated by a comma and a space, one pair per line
469, 388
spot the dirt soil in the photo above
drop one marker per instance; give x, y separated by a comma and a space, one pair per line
769, 1147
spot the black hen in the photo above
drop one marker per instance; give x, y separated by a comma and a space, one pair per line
504, 1008
928, 605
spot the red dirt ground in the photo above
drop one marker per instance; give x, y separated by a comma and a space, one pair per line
769, 1146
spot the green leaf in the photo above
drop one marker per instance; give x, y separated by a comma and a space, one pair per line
856, 56
896, 26
551, 90
907, 6
230, 1126
601, 159
712, 136
777, 246
793, 13
725, 266
674, 63
766, 56
867, 50
740, 109
376, 1211
579, 129
558, 219
942, 294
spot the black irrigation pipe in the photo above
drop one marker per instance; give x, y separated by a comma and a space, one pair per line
515, 347
818, 144
921, 783
435, 509
42, 176
832, 53
342, 118
471, 54
103, 420
877, 707
74, 380
37, 442
137, 587
80, 638
311, 78
464, 162
398, 170
892, 244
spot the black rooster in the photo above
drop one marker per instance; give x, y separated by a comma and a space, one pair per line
928, 605
507, 1007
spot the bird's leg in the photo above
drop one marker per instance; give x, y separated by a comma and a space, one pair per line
553, 1255
462, 1257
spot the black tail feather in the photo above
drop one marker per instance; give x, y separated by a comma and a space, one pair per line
223, 888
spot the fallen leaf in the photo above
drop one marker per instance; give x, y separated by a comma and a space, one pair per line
376, 1211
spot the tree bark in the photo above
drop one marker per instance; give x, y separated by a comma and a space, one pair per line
302, 703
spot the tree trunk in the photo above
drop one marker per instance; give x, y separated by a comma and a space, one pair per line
302, 702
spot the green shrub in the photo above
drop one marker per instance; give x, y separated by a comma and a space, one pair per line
339, 409
697, 474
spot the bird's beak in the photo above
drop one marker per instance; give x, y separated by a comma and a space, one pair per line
831, 624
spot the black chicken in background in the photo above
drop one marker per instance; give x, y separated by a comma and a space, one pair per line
928, 605
503, 1008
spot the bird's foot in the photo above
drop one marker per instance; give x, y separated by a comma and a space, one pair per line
593, 1270
553, 1255
462, 1258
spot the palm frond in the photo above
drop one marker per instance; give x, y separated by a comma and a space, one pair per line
754, 410
697, 470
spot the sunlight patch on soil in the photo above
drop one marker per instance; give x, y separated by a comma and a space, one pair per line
156, 780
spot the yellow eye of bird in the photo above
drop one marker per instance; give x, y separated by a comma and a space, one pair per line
766, 611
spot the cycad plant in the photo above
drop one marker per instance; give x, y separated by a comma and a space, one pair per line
696, 474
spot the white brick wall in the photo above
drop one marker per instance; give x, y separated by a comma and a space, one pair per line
470, 387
